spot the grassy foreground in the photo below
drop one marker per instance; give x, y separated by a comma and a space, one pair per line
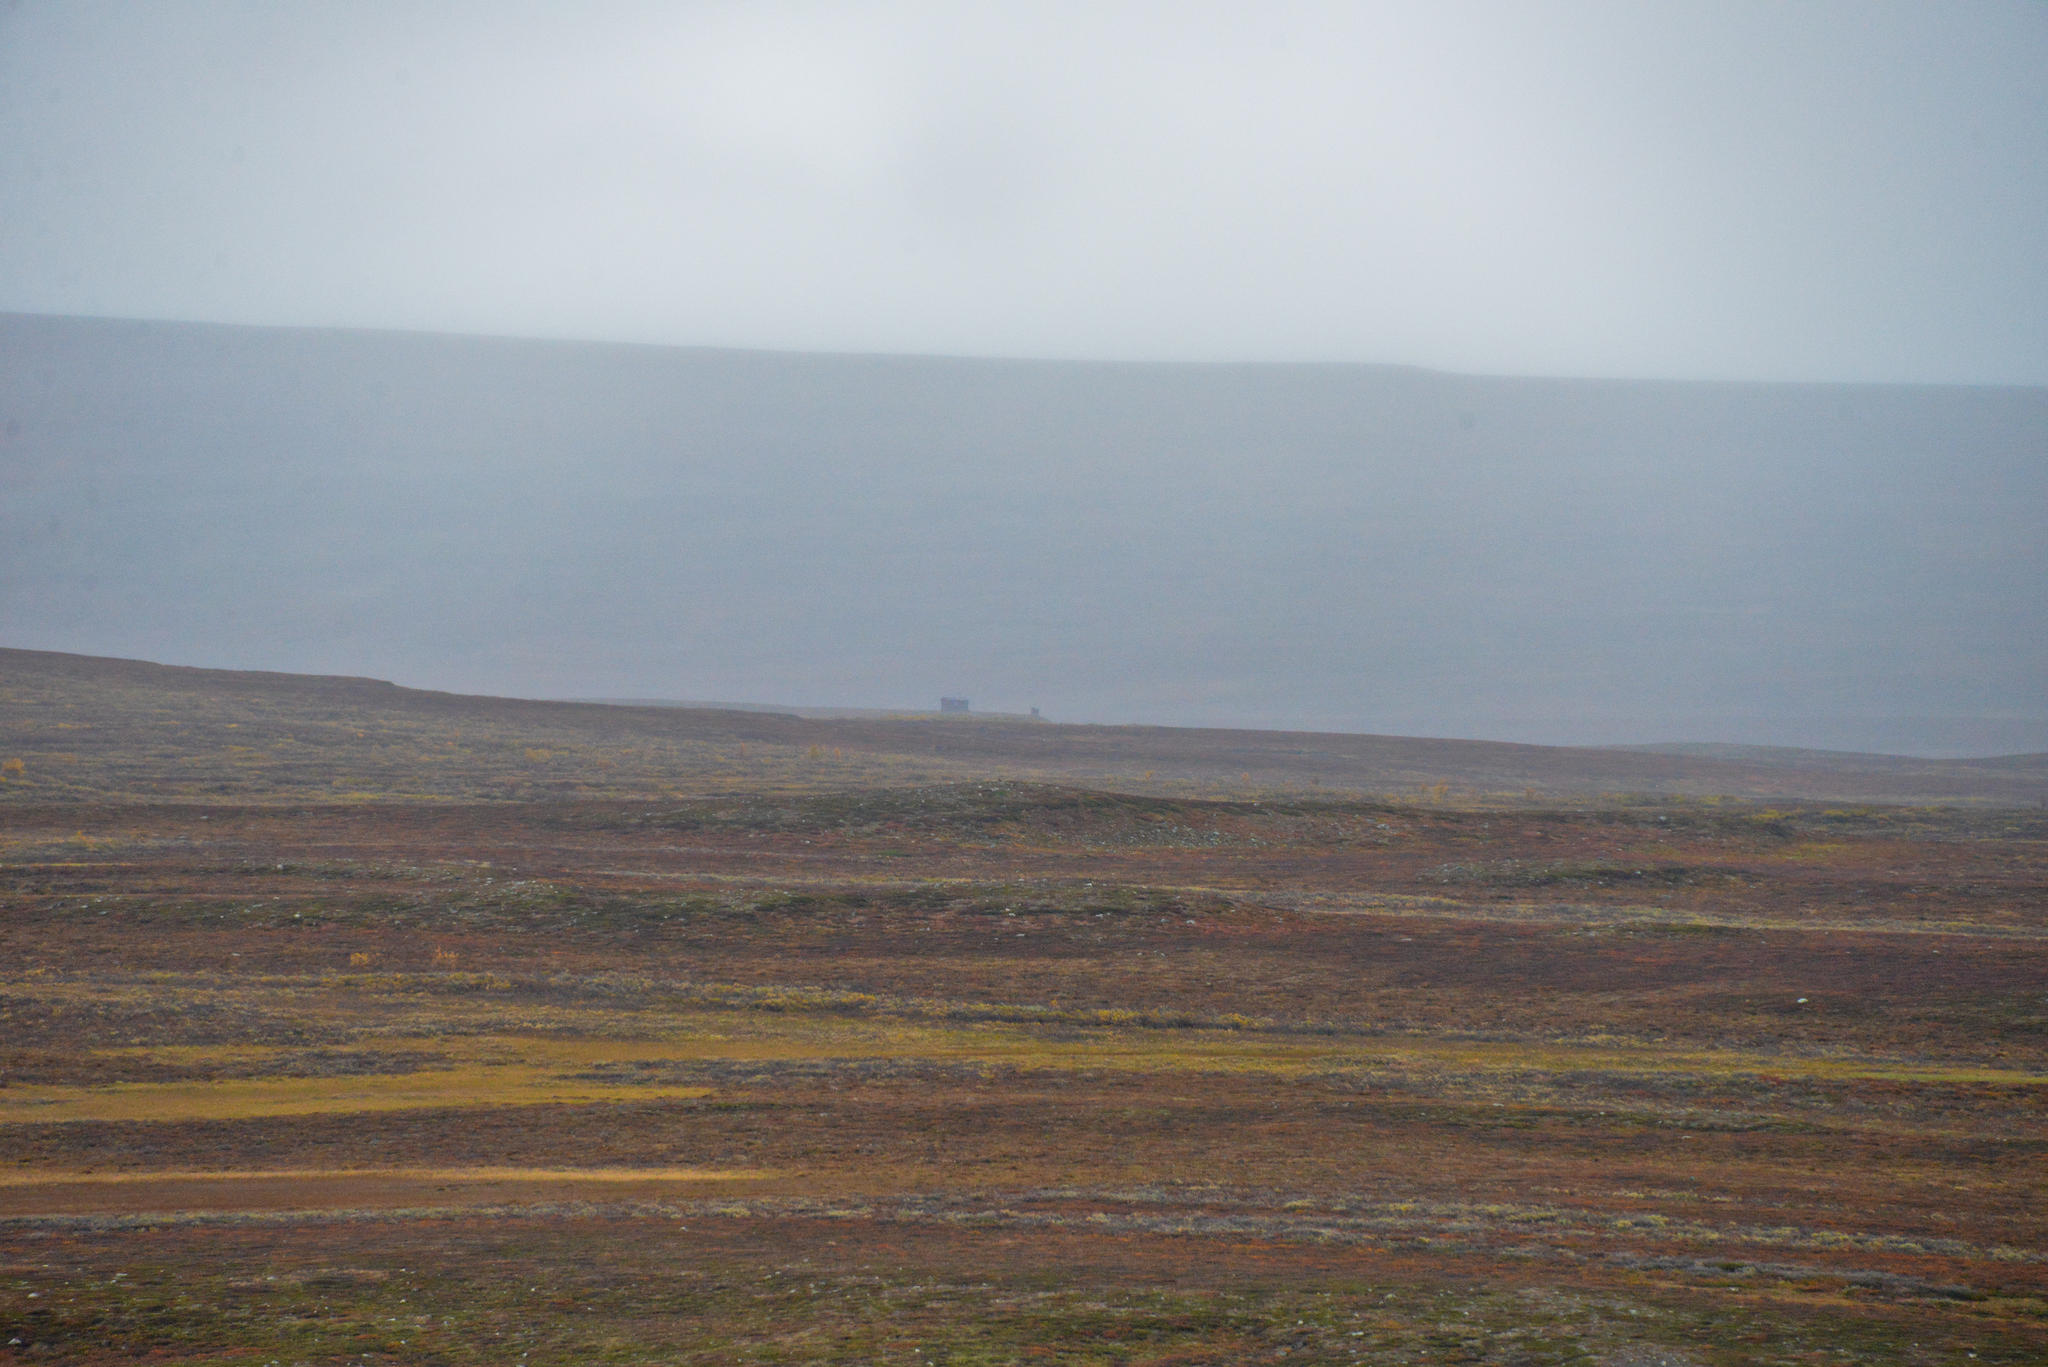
989, 1071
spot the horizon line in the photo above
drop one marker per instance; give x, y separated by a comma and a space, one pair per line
1008, 358
917, 714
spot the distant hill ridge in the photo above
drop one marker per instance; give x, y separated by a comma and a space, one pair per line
823, 713
85, 729
1793, 757
1331, 548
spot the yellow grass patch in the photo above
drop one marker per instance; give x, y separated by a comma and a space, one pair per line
255, 1098
519, 1069
57, 1177
768, 1037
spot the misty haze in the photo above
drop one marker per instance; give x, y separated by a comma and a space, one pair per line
1104, 684
1312, 547
1216, 505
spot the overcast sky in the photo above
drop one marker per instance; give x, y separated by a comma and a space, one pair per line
1848, 191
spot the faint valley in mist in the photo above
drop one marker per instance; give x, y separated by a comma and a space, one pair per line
1330, 547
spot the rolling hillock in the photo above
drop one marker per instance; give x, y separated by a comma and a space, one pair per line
84, 729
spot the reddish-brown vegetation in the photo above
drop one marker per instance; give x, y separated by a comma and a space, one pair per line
999, 1070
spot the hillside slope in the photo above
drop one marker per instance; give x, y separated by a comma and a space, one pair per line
93, 729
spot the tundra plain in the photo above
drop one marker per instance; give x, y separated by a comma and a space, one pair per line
340, 1023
